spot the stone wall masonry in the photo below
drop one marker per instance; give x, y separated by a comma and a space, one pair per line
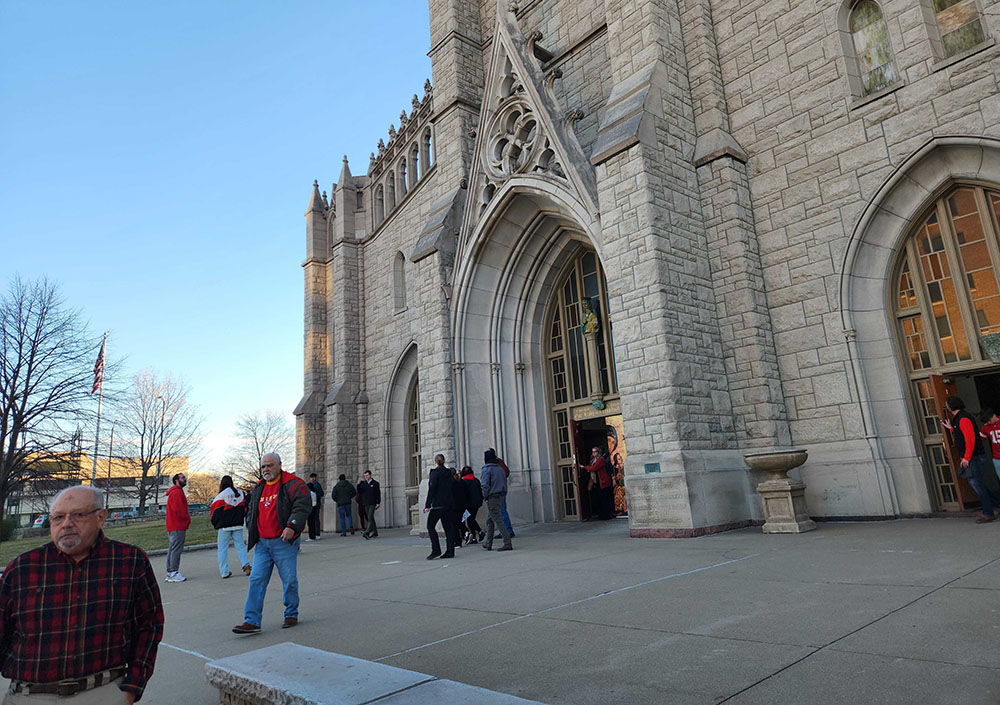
388, 331
751, 361
585, 86
310, 445
345, 347
669, 350
817, 154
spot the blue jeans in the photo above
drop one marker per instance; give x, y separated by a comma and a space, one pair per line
978, 465
996, 467
344, 512
234, 534
270, 553
494, 504
506, 516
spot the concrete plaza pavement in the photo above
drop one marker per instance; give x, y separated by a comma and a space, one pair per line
887, 612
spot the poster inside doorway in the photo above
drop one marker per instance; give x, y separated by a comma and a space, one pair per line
614, 426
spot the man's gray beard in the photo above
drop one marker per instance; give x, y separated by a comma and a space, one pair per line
68, 543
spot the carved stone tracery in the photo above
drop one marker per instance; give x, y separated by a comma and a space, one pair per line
515, 142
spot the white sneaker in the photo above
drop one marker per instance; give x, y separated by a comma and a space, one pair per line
308, 540
175, 578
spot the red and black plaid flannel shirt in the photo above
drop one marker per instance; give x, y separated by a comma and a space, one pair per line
60, 619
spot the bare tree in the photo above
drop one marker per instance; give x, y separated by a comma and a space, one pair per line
156, 422
46, 374
202, 487
258, 434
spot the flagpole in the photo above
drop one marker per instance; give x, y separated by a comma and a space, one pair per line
100, 399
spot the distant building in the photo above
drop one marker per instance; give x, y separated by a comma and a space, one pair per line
118, 478
695, 228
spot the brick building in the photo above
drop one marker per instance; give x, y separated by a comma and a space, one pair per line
678, 229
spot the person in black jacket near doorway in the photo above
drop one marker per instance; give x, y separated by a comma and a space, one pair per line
440, 505
458, 507
474, 499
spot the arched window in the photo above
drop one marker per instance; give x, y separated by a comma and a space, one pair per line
399, 282
957, 24
426, 152
402, 179
946, 298
379, 205
579, 335
414, 165
414, 461
390, 192
871, 48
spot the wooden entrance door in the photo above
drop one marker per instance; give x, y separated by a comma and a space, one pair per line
941, 388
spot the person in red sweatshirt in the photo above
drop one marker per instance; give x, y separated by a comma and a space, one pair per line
599, 467
971, 458
178, 521
279, 507
991, 432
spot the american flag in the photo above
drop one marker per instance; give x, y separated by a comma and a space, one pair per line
99, 367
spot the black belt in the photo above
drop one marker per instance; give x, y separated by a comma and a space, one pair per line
69, 686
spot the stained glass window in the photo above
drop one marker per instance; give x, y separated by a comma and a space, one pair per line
871, 47
960, 25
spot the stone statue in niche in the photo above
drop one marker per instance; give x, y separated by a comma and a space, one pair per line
591, 323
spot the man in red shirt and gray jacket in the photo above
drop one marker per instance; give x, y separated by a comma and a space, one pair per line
278, 509
178, 521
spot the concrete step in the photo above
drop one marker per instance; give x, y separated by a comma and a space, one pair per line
291, 674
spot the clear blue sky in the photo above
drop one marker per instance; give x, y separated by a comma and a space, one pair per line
156, 160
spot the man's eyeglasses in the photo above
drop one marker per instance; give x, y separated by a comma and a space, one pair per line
75, 516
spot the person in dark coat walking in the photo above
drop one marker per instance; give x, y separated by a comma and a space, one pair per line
343, 493
459, 505
371, 499
440, 506
474, 498
317, 507
359, 498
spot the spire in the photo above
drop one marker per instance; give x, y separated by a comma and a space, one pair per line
345, 175
316, 202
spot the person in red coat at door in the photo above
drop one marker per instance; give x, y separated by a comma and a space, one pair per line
599, 466
178, 521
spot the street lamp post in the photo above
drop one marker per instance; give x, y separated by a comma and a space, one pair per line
159, 457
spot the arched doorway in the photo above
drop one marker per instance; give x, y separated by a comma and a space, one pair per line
583, 386
414, 459
402, 441
947, 309
508, 272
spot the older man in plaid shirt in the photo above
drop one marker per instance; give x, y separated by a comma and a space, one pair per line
80, 617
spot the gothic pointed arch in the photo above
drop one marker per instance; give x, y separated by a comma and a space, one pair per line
867, 290
402, 397
523, 132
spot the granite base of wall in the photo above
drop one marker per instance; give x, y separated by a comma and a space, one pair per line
692, 533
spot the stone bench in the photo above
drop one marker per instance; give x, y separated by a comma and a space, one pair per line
291, 674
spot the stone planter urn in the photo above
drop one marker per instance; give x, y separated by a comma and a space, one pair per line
785, 510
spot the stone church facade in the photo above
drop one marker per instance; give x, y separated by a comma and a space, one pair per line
681, 230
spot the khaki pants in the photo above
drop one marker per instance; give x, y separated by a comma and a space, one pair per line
109, 694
